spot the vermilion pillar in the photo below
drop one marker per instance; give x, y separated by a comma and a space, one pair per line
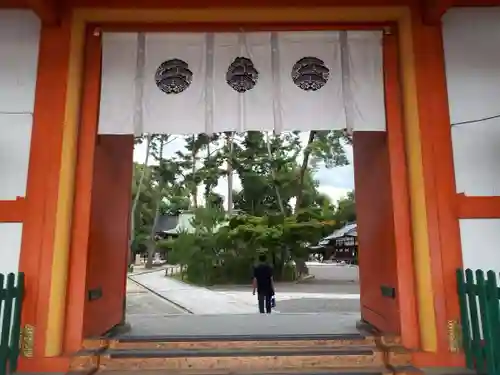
437, 163
42, 190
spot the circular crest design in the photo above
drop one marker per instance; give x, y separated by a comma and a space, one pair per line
173, 76
310, 73
242, 75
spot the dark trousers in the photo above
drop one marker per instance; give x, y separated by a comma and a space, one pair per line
264, 302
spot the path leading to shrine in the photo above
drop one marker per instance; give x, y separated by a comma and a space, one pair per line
329, 302
333, 288
141, 301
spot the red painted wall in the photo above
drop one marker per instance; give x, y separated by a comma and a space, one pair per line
377, 250
109, 232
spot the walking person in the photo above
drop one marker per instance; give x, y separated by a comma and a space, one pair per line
264, 285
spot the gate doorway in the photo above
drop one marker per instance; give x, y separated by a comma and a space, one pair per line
101, 214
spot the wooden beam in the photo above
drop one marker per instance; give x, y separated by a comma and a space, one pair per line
12, 211
433, 10
19, 4
46, 10
477, 207
190, 4
476, 3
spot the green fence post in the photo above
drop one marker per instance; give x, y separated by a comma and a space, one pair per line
464, 315
494, 314
497, 326
16, 324
486, 323
477, 351
4, 349
7, 318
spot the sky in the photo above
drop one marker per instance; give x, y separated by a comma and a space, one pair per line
335, 183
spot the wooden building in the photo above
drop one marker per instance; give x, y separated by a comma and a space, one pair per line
339, 246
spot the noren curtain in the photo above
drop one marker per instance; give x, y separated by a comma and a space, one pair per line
352, 96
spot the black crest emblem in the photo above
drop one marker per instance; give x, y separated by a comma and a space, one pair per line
310, 73
242, 75
173, 76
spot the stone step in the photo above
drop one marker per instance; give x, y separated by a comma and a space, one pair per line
262, 359
407, 370
234, 342
364, 352
337, 371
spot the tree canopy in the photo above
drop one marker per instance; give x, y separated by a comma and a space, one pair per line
278, 209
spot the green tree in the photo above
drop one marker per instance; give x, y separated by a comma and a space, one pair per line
191, 164
323, 147
270, 176
346, 209
165, 174
143, 215
175, 200
137, 184
266, 167
222, 250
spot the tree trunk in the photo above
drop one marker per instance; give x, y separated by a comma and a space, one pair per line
230, 175
273, 174
301, 267
152, 240
158, 198
194, 191
303, 168
136, 201
208, 188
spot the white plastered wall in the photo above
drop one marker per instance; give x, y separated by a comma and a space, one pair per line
472, 52
19, 38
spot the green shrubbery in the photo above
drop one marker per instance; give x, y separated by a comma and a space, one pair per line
221, 251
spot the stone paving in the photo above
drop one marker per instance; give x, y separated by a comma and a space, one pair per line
334, 272
317, 295
140, 301
319, 305
244, 324
197, 300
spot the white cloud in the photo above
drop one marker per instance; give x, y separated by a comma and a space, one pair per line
335, 193
176, 144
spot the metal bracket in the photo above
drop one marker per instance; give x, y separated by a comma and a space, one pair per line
454, 336
27, 340
388, 291
94, 294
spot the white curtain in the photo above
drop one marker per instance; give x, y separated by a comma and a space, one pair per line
131, 102
252, 110
117, 107
310, 110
